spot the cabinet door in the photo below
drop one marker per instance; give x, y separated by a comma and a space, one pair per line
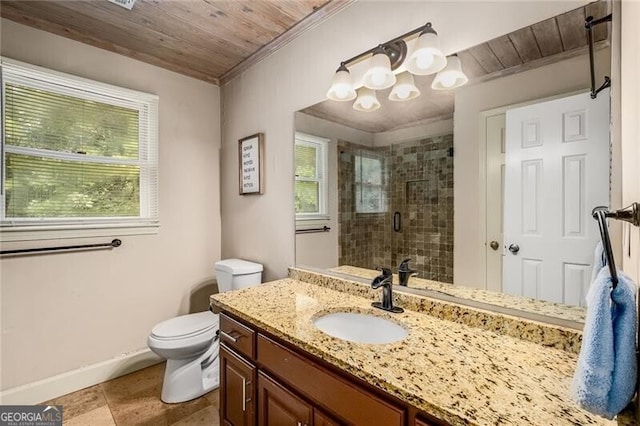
279, 407
237, 378
321, 419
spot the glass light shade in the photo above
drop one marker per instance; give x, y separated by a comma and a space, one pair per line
404, 89
426, 58
366, 100
342, 86
451, 76
379, 75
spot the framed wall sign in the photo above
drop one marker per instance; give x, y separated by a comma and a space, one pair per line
250, 154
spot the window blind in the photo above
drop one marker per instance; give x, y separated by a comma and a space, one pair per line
76, 152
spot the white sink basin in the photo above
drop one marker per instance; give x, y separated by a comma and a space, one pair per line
360, 328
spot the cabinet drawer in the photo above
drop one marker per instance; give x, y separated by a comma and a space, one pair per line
326, 388
237, 336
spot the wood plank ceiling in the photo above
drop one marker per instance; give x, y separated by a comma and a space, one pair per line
207, 39
554, 39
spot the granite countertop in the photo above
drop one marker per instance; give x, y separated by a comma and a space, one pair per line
458, 373
525, 304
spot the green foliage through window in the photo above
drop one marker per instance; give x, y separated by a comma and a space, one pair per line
310, 185
75, 151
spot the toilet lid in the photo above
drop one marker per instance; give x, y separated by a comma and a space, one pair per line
186, 326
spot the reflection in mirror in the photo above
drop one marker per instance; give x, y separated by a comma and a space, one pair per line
488, 188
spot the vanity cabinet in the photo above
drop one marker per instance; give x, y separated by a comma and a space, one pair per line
267, 382
278, 406
237, 401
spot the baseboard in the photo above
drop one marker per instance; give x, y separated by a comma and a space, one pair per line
71, 381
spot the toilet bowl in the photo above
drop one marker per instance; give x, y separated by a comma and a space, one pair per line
190, 343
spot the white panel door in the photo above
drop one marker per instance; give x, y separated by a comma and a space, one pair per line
556, 171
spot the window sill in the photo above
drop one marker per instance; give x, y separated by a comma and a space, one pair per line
32, 233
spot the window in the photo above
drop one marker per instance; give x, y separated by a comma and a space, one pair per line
76, 155
311, 180
371, 195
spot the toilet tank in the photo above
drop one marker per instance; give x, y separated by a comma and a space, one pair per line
234, 274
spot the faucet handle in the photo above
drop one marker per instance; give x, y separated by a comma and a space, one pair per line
404, 265
386, 272
384, 279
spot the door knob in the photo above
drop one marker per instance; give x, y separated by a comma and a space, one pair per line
494, 245
514, 248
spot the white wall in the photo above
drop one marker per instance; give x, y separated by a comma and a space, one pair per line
321, 249
420, 131
264, 98
64, 311
629, 97
559, 78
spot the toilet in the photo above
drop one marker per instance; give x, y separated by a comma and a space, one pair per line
190, 343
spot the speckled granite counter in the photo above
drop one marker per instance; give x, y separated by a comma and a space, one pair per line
541, 333
524, 304
461, 374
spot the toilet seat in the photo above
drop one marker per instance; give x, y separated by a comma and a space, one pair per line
186, 326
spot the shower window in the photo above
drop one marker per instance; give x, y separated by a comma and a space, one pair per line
371, 195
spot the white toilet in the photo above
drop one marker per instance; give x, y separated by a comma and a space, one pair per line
190, 342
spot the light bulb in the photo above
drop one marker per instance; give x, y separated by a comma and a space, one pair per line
448, 79
424, 61
377, 78
403, 92
341, 92
367, 103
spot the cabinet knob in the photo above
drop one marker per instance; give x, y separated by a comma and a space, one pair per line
494, 245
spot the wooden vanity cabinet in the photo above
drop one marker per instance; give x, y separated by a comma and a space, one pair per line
264, 382
279, 406
237, 395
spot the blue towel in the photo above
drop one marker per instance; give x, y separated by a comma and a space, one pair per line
605, 378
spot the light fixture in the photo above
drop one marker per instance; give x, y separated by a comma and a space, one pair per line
388, 59
342, 86
451, 76
367, 100
405, 89
379, 75
427, 57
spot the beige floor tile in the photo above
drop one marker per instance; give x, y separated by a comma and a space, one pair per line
214, 397
80, 402
207, 416
146, 408
134, 400
98, 417
138, 381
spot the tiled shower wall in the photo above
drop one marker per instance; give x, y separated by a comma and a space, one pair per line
419, 187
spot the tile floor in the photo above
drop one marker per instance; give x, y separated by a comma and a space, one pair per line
134, 399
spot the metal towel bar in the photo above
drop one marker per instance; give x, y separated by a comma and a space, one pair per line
629, 214
114, 243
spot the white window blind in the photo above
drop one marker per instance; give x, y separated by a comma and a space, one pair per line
76, 153
311, 185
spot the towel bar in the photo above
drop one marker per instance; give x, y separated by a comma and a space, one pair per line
629, 214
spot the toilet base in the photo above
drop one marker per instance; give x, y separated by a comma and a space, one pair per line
187, 379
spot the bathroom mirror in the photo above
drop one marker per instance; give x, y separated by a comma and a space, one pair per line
435, 179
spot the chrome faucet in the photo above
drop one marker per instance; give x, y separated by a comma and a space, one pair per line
404, 272
386, 282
